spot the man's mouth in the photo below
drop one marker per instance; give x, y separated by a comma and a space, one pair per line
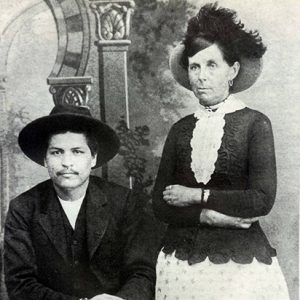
66, 173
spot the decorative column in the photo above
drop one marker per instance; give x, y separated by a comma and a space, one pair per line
4, 156
112, 32
4, 175
70, 90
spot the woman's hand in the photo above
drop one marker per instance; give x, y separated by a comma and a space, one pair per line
216, 219
179, 195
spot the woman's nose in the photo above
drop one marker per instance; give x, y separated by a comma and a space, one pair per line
202, 73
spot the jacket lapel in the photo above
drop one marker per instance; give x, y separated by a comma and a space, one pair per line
97, 217
52, 222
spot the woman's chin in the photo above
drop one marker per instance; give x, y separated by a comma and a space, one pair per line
206, 100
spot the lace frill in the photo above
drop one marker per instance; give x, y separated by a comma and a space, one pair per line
207, 138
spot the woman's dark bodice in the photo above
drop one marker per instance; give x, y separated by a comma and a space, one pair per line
243, 184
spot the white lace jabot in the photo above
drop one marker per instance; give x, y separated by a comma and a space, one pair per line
207, 137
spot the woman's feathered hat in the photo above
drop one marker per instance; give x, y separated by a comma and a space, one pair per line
33, 138
219, 25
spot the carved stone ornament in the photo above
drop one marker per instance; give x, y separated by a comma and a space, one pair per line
113, 18
70, 90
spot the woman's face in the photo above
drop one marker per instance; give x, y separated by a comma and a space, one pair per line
209, 75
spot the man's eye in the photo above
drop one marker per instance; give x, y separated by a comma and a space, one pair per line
55, 152
78, 151
212, 65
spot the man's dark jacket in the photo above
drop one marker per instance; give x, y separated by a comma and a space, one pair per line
35, 250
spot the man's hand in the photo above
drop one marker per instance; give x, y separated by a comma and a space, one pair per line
179, 195
106, 297
214, 218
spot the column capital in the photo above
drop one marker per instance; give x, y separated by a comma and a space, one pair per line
113, 19
70, 90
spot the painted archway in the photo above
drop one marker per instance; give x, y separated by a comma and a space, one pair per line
73, 28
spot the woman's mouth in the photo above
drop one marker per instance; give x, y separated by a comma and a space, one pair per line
202, 89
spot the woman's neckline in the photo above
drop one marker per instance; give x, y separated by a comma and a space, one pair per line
229, 105
213, 108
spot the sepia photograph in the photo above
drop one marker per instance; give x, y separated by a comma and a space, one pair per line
149, 149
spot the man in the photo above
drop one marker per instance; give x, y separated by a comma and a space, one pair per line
75, 236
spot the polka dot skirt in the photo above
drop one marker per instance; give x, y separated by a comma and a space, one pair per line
177, 280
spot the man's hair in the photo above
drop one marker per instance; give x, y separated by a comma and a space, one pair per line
90, 139
221, 26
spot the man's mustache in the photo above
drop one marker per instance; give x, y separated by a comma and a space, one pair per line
64, 172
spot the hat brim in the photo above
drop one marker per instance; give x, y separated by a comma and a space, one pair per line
250, 69
33, 138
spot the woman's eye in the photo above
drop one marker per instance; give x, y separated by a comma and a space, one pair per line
194, 68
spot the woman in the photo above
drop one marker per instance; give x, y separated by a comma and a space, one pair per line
217, 174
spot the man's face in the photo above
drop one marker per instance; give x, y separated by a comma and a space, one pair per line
69, 160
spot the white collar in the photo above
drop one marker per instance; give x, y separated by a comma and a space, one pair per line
75, 202
230, 105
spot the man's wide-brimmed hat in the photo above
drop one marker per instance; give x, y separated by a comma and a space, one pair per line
33, 138
250, 69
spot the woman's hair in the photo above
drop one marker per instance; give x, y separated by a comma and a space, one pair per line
219, 25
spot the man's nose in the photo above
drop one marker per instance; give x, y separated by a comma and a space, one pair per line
67, 160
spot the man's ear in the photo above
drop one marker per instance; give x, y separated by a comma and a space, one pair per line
45, 163
235, 68
94, 160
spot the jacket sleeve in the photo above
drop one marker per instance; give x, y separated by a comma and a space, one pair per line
139, 258
259, 196
20, 267
180, 216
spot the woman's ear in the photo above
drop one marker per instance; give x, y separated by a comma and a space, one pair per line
235, 68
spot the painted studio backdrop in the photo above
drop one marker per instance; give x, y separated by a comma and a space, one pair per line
113, 56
